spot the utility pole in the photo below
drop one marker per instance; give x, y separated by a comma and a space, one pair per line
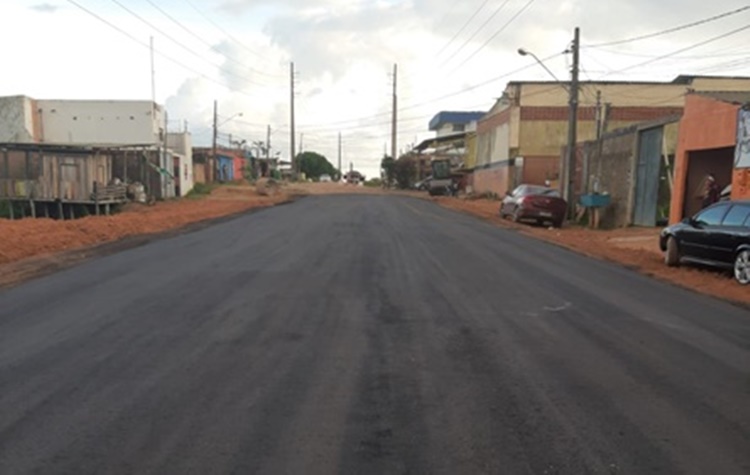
598, 114
570, 155
153, 72
301, 142
268, 142
395, 112
209, 168
340, 170
292, 146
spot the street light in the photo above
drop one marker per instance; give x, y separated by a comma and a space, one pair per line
216, 131
239, 114
525, 52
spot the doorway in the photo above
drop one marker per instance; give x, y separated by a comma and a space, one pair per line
718, 161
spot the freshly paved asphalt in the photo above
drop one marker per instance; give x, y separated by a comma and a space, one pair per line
367, 335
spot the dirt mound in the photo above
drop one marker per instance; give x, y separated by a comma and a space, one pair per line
268, 187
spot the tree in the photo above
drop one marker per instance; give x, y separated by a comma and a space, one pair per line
404, 171
313, 165
388, 167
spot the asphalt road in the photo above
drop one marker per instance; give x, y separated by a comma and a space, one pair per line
367, 335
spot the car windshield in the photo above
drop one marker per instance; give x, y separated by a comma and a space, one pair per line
540, 190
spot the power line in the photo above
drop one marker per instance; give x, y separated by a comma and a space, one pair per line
670, 30
165, 56
476, 32
681, 50
224, 32
213, 47
181, 45
436, 99
461, 30
502, 28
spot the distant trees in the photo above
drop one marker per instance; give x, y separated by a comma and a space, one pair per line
405, 169
313, 165
388, 169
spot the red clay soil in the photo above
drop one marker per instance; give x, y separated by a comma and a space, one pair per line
636, 248
27, 238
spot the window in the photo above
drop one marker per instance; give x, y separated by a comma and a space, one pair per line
459, 127
711, 216
736, 216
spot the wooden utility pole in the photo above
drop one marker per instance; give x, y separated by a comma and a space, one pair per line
394, 121
340, 170
209, 168
292, 146
570, 152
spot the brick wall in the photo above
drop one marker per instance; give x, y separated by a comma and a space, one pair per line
536, 170
635, 114
490, 123
492, 180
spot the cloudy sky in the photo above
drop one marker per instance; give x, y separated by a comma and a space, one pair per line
451, 54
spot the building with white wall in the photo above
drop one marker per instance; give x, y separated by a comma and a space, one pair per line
72, 122
181, 145
133, 131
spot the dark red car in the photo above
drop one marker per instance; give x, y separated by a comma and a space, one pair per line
535, 203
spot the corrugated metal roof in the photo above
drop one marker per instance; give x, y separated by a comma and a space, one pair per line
454, 117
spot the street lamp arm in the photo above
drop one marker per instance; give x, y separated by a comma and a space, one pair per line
524, 52
239, 114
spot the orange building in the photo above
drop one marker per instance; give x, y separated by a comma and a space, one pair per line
706, 144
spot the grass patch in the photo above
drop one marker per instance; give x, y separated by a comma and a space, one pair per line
201, 190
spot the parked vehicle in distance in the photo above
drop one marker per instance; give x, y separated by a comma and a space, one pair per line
423, 185
539, 204
718, 236
324, 178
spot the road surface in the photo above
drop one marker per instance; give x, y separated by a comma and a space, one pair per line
367, 335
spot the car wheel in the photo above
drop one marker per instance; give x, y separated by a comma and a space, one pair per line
515, 216
742, 267
672, 255
558, 223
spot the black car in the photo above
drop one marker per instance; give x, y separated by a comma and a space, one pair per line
718, 236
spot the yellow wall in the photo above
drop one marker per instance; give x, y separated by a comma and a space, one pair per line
623, 95
721, 84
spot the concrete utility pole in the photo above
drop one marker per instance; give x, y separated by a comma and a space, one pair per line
395, 112
209, 168
570, 155
268, 142
292, 146
340, 170
598, 114
153, 72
